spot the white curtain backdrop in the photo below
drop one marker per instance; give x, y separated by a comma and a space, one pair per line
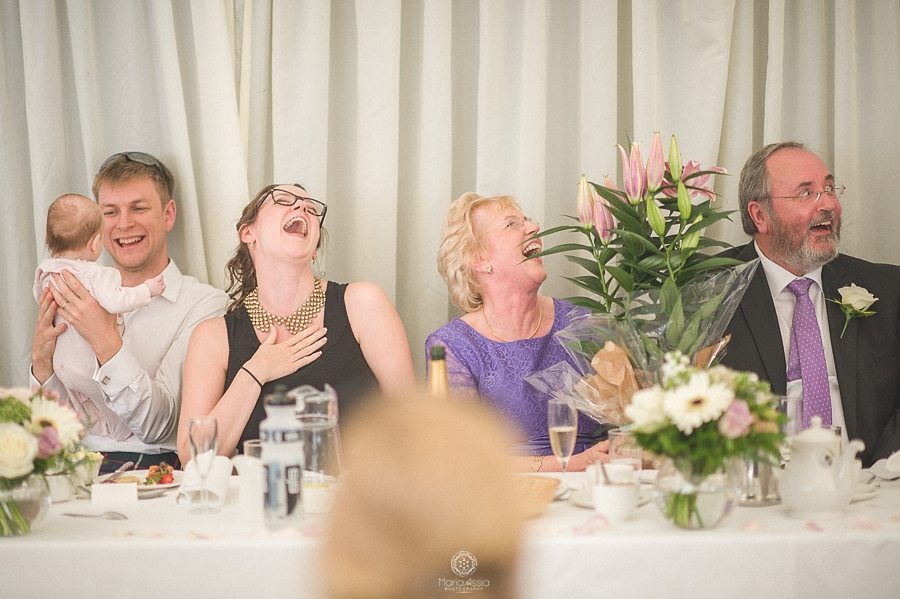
389, 109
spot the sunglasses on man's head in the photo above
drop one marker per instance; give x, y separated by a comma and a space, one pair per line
139, 157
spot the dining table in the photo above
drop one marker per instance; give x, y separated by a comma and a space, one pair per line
162, 550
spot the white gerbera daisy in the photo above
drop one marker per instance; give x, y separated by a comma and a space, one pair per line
45, 412
646, 410
697, 402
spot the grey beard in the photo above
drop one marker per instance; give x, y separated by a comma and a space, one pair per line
798, 254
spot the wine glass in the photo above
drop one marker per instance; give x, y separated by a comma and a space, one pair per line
562, 424
202, 434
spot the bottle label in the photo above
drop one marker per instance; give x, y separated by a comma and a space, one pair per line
282, 492
280, 436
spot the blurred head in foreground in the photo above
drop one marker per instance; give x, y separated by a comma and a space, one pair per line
425, 481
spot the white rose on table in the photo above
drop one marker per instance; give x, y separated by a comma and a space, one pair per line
18, 449
858, 298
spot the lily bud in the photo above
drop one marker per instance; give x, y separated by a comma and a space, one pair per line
655, 217
633, 174
684, 202
609, 183
585, 203
656, 165
674, 161
691, 240
604, 221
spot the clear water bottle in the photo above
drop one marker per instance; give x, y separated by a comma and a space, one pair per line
282, 457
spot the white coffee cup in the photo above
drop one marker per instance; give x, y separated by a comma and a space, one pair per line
617, 473
616, 501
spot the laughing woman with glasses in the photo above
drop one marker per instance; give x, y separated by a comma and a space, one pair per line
507, 331
285, 325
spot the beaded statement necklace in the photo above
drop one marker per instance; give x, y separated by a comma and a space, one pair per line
533, 332
262, 320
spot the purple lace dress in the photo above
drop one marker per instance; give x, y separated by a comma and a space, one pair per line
496, 370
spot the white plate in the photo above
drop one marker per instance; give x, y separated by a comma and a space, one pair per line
142, 474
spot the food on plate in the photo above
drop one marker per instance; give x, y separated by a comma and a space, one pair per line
124, 480
160, 475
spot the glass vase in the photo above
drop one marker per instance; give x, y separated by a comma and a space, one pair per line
23, 505
694, 501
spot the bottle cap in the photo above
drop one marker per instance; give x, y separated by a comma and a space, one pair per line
279, 397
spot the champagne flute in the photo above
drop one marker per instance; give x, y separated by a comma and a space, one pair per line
202, 434
562, 424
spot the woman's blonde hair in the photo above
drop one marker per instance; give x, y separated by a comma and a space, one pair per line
425, 480
459, 245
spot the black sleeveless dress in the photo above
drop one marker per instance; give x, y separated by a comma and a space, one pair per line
341, 364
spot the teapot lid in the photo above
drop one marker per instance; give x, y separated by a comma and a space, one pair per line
815, 434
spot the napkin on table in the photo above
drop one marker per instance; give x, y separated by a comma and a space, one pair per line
217, 482
887, 468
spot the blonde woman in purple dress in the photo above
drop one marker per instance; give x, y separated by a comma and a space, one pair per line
507, 331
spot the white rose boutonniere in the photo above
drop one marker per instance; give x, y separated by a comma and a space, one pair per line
855, 303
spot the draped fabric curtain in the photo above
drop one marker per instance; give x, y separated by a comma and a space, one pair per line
389, 109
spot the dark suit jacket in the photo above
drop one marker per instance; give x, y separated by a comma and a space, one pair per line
867, 358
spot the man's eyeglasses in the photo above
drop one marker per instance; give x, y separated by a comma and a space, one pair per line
311, 206
139, 157
513, 223
835, 191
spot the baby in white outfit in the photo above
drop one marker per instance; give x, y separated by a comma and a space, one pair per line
74, 224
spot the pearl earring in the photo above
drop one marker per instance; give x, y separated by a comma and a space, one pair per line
490, 269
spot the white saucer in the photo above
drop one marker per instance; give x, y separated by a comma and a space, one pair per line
864, 491
585, 498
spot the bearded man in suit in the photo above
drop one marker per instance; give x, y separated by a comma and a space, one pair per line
791, 206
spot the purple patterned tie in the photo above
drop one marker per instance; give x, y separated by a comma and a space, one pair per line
806, 359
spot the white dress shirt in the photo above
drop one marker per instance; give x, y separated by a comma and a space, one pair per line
142, 382
778, 279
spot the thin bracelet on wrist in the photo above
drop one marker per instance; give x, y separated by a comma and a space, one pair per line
252, 376
536, 463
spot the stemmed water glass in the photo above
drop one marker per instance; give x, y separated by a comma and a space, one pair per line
562, 424
203, 434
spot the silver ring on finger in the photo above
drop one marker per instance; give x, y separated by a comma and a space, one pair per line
63, 307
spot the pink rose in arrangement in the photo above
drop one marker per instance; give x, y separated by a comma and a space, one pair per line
48, 442
736, 421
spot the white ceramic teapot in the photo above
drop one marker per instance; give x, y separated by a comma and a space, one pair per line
819, 480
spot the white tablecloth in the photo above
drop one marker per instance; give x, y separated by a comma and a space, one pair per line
164, 551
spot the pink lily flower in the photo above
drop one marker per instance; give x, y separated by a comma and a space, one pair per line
701, 183
633, 174
656, 165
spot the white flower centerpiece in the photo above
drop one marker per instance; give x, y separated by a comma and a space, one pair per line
37, 435
700, 419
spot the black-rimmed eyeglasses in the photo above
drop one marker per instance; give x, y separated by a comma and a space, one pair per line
835, 191
312, 206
